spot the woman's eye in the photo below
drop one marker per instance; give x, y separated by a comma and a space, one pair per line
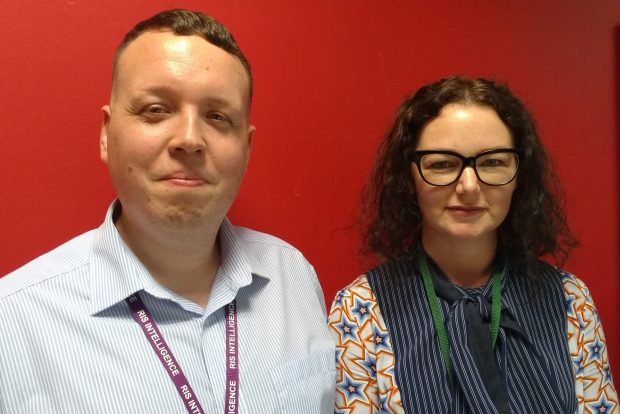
441, 165
492, 163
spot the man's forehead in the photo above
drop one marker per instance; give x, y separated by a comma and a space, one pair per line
164, 45
155, 44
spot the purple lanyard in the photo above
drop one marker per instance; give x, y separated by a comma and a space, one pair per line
144, 318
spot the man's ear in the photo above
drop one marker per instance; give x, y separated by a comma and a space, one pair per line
103, 136
251, 130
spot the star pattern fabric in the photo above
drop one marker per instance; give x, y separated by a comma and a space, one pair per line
365, 357
365, 381
586, 340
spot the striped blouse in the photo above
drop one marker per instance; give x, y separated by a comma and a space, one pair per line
365, 358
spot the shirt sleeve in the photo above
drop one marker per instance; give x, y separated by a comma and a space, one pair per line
593, 381
364, 356
317, 288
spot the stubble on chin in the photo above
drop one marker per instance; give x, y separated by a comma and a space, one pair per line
191, 213
185, 216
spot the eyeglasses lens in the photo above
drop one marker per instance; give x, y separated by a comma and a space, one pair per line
494, 169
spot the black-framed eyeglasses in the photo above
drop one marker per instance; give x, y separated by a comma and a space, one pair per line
492, 167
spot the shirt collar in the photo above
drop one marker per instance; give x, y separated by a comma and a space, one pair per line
116, 273
238, 262
239, 268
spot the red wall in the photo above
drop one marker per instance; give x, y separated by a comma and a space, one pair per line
329, 75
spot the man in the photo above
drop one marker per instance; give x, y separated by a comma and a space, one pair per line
167, 307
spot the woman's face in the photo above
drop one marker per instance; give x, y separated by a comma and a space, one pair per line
467, 209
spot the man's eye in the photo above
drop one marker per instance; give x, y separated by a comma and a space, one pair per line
155, 109
153, 113
217, 116
221, 121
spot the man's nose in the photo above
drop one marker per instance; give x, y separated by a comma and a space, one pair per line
189, 135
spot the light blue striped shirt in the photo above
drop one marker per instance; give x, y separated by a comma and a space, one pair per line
68, 342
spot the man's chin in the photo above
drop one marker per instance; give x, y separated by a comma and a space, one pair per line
187, 210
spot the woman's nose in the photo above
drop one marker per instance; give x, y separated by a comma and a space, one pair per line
468, 181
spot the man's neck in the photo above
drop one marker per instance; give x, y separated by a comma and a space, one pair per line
466, 263
185, 262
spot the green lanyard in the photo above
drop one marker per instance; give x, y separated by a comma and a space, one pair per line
442, 337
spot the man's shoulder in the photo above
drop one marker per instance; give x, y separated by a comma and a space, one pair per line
269, 253
254, 237
59, 261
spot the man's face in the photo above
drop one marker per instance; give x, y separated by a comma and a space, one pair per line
176, 135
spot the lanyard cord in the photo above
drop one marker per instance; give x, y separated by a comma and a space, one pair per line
433, 302
150, 329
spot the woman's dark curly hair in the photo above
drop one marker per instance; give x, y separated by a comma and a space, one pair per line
536, 223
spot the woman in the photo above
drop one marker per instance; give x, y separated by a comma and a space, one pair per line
463, 317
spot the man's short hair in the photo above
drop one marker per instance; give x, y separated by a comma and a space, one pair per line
187, 23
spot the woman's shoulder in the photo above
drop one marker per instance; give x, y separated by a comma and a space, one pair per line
551, 279
575, 290
358, 304
395, 265
574, 287
580, 306
587, 346
358, 288
355, 316
362, 285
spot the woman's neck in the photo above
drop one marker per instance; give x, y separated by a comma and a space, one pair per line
466, 263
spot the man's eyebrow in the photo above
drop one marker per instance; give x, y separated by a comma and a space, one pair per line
209, 99
154, 90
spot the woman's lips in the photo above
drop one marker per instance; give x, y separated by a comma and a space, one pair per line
465, 211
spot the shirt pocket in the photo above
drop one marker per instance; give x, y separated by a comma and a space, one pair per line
306, 385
